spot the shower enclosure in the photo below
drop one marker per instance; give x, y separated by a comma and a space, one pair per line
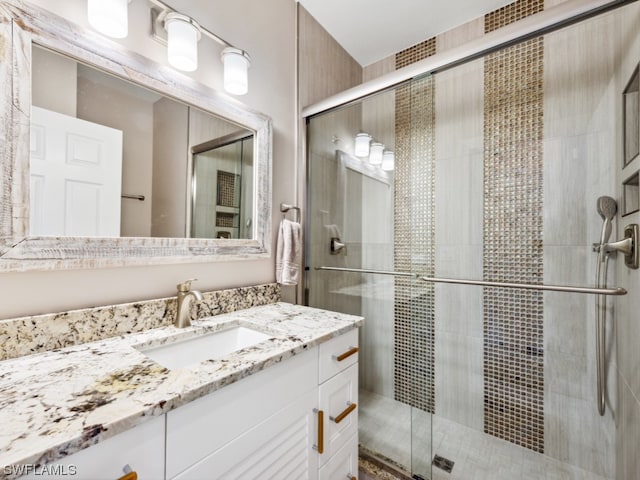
491, 171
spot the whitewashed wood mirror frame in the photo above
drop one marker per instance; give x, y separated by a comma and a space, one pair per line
22, 26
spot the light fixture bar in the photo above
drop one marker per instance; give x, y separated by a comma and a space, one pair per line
165, 9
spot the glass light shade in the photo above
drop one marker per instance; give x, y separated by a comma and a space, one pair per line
388, 160
236, 71
362, 145
375, 153
183, 34
109, 17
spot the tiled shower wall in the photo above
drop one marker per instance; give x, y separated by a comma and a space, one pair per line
513, 319
414, 234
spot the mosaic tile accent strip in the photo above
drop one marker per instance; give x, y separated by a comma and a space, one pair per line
40, 333
227, 184
414, 230
513, 189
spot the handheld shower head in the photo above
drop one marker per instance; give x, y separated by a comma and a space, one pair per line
607, 208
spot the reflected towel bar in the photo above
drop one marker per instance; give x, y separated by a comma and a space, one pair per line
528, 286
133, 197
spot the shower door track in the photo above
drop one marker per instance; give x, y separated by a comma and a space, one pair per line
486, 283
547, 21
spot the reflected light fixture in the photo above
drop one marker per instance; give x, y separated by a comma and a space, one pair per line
236, 65
183, 34
388, 161
375, 153
109, 17
362, 145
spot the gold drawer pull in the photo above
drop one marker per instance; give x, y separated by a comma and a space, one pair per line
347, 354
351, 477
319, 447
347, 411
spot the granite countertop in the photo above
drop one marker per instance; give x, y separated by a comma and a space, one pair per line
56, 403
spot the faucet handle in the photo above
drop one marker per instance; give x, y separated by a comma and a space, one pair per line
186, 285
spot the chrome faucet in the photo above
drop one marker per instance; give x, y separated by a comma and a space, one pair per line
185, 297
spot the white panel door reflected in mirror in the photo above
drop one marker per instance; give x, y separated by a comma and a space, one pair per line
75, 176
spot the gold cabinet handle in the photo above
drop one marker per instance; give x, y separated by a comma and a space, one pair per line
351, 477
319, 447
347, 354
343, 415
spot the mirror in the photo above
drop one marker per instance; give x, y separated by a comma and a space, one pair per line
187, 172
110, 158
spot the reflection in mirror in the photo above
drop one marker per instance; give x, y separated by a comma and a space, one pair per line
112, 159
221, 189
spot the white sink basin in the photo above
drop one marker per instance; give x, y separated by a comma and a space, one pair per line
204, 347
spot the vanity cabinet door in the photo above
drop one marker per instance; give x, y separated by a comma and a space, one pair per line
142, 448
280, 447
338, 401
344, 464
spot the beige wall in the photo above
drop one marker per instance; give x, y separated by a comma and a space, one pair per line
267, 31
170, 167
54, 82
108, 106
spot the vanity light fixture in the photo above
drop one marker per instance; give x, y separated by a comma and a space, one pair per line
179, 33
183, 53
183, 34
362, 145
388, 161
109, 17
236, 65
375, 153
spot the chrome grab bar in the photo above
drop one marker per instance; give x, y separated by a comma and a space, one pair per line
483, 283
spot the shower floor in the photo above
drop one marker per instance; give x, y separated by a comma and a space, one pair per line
385, 429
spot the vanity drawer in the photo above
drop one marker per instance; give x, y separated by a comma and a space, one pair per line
338, 354
339, 401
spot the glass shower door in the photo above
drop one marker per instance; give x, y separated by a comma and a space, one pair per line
353, 218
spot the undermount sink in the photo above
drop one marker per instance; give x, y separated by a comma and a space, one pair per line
184, 352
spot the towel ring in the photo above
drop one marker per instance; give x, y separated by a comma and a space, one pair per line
285, 207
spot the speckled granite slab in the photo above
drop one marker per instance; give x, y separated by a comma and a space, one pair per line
54, 403
40, 333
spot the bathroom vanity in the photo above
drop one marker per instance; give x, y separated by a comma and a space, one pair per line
281, 404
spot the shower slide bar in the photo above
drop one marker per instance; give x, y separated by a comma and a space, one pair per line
528, 286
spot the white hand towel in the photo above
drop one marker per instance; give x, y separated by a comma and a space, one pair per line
288, 251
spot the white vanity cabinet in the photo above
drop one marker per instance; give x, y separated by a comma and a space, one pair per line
266, 426
142, 448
